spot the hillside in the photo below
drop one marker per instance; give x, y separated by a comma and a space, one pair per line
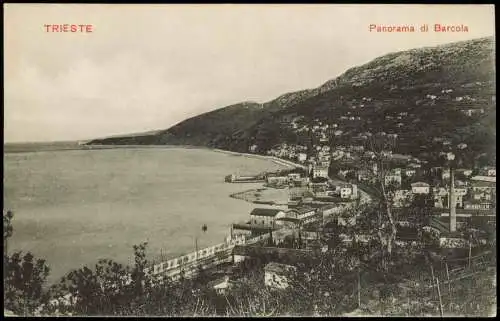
425, 95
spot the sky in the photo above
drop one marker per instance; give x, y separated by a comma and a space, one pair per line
148, 67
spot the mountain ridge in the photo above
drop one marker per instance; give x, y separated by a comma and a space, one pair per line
398, 80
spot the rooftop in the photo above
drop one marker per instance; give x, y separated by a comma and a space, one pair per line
491, 179
289, 219
474, 201
484, 184
265, 212
303, 210
419, 184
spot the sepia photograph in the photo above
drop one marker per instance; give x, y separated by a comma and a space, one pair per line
249, 160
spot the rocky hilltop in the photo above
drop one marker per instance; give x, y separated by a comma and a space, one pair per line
426, 96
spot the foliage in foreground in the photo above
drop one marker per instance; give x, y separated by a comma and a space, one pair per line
338, 280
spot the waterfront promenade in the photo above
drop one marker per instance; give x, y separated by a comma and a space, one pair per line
276, 160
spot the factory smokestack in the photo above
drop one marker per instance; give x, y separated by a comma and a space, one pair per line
453, 203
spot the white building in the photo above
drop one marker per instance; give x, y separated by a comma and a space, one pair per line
349, 191
302, 157
477, 205
277, 180
442, 197
420, 188
265, 216
409, 172
465, 171
490, 171
393, 177
320, 171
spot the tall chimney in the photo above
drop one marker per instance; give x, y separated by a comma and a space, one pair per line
453, 203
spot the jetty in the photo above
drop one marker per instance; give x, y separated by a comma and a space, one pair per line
236, 178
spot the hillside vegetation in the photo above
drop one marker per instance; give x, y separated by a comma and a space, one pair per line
425, 95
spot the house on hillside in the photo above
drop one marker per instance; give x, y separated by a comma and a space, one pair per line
477, 205
320, 171
301, 157
442, 197
348, 191
489, 171
402, 197
482, 190
410, 172
420, 188
414, 165
276, 275
393, 177
466, 172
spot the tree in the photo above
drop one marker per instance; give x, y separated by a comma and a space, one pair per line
323, 284
421, 209
7, 228
24, 277
110, 289
382, 145
23, 283
138, 276
350, 176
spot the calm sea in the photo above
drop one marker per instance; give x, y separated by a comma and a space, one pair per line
73, 207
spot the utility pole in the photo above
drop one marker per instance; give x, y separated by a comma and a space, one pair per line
408, 301
196, 246
359, 289
432, 272
453, 202
453, 211
470, 251
449, 286
440, 302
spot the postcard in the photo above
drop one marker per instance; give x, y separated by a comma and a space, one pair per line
249, 160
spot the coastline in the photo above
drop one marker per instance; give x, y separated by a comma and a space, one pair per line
98, 233
263, 196
52, 148
39, 147
12, 148
272, 158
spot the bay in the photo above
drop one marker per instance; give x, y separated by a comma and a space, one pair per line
73, 207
